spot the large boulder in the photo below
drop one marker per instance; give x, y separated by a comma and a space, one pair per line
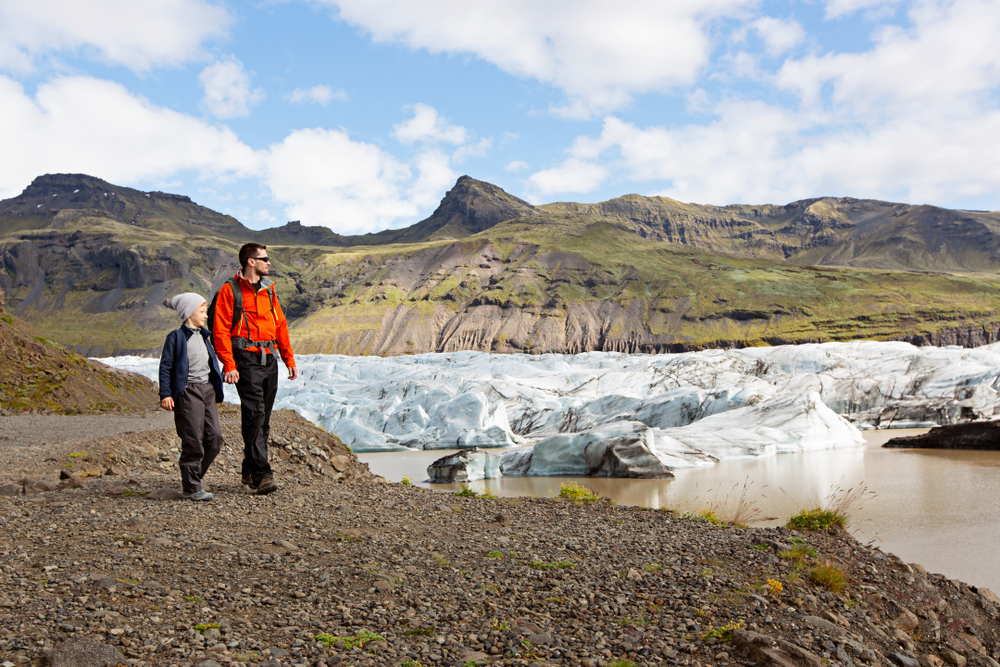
979, 435
469, 465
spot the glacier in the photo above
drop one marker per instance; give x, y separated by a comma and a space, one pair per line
690, 409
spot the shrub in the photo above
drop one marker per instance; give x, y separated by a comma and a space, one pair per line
816, 519
774, 587
835, 514
577, 494
829, 575
466, 492
725, 633
705, 515
407, 480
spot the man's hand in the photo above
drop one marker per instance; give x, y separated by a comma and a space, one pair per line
232, 377
293, 373
167, 404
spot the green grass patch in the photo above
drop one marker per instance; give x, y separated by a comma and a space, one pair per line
557, 565
829, 575
136, 492
816, 518
575, 493
621, 662
357, 640
419, 632
201, 627
799, 554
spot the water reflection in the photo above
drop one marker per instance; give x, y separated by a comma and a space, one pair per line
937, 508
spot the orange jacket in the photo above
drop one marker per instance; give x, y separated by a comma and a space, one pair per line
263, 324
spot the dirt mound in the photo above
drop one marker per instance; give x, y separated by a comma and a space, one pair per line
40, 376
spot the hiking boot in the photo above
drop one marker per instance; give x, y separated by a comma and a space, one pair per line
200, 494
247, 480
266, 486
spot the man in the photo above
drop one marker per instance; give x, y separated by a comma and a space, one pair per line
245, 342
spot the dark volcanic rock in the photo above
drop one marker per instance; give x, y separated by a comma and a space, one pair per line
978, 435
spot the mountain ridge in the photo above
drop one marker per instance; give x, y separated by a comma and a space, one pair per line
93, 265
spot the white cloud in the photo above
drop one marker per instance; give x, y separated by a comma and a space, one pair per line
263, 215
908, 119
427, 126
573, 175
779, 35
97, 127
478, 149
137, 35
599, 53
516, 165
321, 94
840, 8
325, 178
227, 90
948, 58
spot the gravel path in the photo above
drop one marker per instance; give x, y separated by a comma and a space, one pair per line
341, 568
47, 429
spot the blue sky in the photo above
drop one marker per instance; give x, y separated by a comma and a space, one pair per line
360, 114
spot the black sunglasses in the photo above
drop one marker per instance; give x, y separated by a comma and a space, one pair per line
262, 259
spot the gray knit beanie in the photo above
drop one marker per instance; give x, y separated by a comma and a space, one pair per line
185, 304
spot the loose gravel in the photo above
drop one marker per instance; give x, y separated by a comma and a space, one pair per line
341, 568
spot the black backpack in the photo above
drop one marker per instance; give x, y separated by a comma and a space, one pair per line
240, 343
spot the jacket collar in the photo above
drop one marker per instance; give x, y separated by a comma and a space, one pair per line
265, 281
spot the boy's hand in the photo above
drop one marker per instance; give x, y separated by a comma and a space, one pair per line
232, 377
167, 404
293, 372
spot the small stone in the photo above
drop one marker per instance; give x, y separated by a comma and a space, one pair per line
9, 490
106, 583
907, 621
284, 544
973, 643
65, 475
903, 660
989, 596
339, 463
930, 660
953, 658
160, 542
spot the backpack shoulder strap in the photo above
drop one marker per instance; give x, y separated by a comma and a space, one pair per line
238, 311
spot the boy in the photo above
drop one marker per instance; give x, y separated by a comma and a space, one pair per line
191, 385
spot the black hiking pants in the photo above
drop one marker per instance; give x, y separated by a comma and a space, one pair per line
257, 387
197, 420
